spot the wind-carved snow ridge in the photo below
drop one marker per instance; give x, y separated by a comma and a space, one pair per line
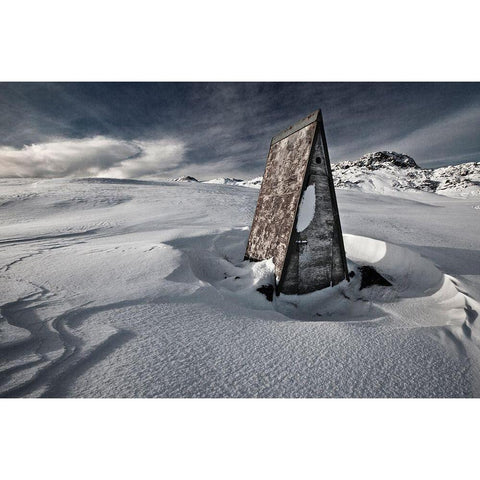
306, 210
43, 362
425, 295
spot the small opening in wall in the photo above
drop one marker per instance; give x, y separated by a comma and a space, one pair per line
318, 160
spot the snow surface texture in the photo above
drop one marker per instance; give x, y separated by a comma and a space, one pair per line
306, 210
389, 172
119, 288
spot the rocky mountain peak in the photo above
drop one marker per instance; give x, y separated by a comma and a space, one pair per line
375, 160
185, 178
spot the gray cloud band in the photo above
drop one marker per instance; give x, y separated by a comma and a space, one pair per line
96, 156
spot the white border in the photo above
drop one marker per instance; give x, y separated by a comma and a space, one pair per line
252, 40
241, 41
238, 439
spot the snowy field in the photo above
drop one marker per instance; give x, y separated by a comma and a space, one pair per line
138, 289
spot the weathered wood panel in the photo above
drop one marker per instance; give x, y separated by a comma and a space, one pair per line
279, 196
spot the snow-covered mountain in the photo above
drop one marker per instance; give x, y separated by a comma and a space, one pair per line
184, 178
225, 181
389, 172
253, 183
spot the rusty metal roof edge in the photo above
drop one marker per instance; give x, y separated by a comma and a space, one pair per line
314, 116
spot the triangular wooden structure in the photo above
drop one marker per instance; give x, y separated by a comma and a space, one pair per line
296, 220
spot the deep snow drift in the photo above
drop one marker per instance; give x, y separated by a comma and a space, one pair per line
128, 288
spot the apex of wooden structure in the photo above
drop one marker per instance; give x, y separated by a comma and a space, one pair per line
296, 221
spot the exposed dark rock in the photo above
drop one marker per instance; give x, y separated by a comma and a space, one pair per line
371, 277
266, 290
378, 159
185, 178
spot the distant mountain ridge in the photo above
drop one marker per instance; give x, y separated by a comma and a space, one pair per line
376, 160
184, 178
253, 183
225, 181
388, 172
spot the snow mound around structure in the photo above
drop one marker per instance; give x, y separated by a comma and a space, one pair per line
419, 291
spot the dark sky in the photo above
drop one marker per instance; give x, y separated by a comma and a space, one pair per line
224, 129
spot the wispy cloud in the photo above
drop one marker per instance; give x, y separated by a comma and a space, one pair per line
451, 138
